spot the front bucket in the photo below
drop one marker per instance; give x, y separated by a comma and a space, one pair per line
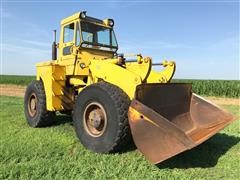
167, 119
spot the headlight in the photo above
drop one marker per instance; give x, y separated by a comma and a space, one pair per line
83, 14
110, 22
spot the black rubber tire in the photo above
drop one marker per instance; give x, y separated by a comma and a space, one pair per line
115, 101
42, 117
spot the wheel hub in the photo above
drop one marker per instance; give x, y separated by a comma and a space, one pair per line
32, 104
95, 119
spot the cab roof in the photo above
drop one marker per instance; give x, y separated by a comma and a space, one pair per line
77, 16
70, 18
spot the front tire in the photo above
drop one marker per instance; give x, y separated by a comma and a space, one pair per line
35, 106
100, 118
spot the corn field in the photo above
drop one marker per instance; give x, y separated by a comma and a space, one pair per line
223, 88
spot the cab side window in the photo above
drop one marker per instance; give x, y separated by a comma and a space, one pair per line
68, 33
77, 35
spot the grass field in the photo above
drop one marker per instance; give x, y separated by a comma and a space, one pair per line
14, 79
55, 153
218, 88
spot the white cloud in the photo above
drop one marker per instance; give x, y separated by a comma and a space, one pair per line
24, 50
20, 59
225, 43
37, 43
150, 48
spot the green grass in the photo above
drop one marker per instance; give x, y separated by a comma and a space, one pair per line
55, 153
14, 79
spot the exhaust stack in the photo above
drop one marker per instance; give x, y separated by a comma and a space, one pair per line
54, 47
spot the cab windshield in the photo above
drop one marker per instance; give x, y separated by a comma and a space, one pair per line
98, 37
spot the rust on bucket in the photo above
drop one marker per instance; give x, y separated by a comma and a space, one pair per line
167, 119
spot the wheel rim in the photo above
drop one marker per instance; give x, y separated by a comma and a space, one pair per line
95, 119
32, 105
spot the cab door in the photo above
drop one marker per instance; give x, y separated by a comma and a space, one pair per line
68, 40
69, 46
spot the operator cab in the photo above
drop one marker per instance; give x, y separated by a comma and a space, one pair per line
97, 36
88, 33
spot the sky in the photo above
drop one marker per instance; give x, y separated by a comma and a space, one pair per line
202, 37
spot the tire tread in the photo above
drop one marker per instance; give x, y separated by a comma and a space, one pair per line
45, 117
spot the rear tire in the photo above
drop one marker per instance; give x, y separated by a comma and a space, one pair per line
35, 106
108, 130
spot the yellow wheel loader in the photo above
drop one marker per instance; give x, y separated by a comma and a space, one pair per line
114, 99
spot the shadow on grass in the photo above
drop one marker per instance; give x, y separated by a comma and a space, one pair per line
62, 119
204, 156
128, 146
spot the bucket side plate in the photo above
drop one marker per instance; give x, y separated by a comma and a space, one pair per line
166, 120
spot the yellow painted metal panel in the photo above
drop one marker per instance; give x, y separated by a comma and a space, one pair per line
163, 76
117, 75
70, 18
53, 77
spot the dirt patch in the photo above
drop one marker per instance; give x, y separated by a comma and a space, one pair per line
224, 101
12, 90
15, 90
